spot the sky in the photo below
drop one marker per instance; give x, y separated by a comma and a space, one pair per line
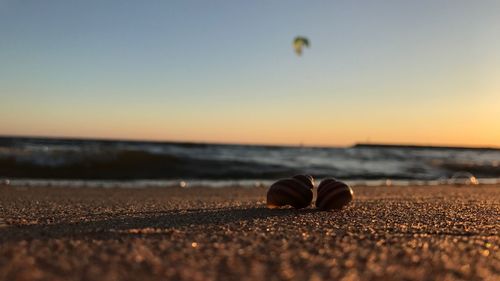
412, 72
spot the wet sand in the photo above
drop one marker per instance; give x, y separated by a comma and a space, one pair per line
387, 233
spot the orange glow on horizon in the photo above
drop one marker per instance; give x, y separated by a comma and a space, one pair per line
316, 126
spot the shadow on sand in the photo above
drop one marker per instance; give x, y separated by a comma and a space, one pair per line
114, 228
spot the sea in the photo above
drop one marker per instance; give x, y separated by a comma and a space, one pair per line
28, 161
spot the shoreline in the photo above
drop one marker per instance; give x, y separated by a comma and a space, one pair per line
387, 233
213, 183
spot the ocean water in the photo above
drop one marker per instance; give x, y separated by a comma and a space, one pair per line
26, 161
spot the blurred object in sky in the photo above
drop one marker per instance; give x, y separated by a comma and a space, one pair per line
299, 43
463, 178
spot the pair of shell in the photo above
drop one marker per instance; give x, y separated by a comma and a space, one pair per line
297, 192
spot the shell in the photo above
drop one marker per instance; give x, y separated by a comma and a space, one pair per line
333, 194
296, 192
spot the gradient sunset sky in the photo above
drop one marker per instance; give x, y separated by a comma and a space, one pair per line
421, 72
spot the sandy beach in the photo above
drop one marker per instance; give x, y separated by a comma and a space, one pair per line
387, 233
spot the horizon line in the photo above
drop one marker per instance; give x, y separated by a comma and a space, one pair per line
355, 144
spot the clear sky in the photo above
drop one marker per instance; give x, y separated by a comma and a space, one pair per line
425, 72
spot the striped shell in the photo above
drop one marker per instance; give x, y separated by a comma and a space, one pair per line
296, 192
333, 194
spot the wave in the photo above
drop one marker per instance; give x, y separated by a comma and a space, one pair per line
130, 164
123, 160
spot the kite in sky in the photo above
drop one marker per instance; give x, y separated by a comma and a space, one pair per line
299, 43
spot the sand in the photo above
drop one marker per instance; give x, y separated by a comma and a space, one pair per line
387, 233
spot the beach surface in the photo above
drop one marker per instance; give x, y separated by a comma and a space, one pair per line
386, 233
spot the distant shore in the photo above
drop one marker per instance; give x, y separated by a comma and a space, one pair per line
435, 147
387, 233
